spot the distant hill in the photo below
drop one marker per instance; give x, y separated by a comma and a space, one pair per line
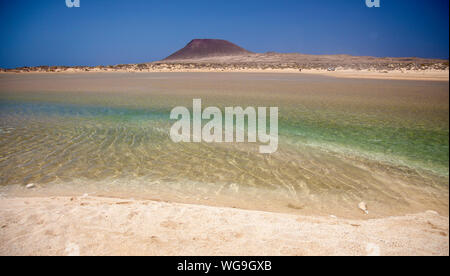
222, 53
217, 54
206, 48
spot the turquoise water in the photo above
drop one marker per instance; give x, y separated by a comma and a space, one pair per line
416, 147
341, 141
413, 147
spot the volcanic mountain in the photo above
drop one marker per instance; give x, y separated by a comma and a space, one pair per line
202, 48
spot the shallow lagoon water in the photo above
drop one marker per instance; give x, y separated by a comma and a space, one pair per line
341, 141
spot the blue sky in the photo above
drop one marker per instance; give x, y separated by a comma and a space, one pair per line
103, 32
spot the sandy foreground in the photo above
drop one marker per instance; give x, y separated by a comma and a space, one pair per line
107, 226
430, 75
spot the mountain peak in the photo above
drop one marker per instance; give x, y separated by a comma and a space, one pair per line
199, 48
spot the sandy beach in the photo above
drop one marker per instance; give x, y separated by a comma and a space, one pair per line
429, 75
105, 134
107, 226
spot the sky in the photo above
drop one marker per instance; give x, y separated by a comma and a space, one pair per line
108, 32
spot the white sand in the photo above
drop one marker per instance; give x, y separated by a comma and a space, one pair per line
107, 226
428, 75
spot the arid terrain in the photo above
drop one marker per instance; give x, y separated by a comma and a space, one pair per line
223, 56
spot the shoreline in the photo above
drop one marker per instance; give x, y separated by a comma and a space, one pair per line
427, 75
85, 225
187, 219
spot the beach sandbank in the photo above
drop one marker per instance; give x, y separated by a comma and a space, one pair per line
108, 226
429, 75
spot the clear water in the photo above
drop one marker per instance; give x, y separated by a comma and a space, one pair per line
341, 141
